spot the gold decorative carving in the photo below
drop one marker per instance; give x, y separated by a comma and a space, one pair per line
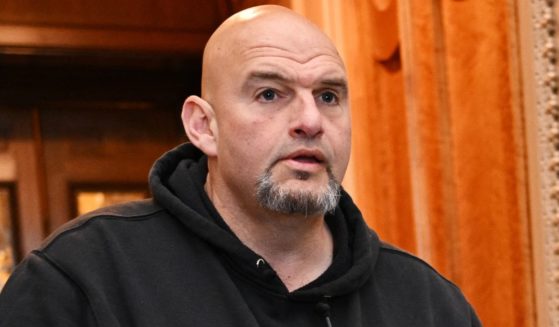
545, 103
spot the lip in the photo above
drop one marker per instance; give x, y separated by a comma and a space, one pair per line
310, 153
305, 159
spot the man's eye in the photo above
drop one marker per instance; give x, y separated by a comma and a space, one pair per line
328, 97
268, 95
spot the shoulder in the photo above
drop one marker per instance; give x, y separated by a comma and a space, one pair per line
402, 264
402, 280
104, 218
105, 241
394, 255
398, 271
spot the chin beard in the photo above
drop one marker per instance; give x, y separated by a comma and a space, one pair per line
272, 196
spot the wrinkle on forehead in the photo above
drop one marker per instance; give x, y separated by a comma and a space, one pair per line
301, 57
261, 31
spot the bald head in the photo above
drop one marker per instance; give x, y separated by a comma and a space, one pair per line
274, 107
258, 28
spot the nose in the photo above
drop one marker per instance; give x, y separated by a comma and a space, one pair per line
307, 118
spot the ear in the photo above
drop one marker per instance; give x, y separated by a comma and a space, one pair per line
198, 119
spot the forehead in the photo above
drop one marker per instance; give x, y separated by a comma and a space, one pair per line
300, 51
317, 61
280, 43
283, 32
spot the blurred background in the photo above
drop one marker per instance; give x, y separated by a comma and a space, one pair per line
455, 148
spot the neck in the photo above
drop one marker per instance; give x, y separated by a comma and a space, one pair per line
298, 247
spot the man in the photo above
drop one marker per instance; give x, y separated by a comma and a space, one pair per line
248, 225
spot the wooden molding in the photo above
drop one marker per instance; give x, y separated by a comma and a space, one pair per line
539, 75
37, 37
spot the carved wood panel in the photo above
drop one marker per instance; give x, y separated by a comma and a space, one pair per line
103, 148
165, 26
539, 67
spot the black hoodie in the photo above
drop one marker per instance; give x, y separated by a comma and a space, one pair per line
173, 261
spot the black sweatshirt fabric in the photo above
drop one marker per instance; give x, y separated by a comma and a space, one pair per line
173, 261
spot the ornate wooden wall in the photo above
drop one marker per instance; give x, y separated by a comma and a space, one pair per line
91, 56
439, 162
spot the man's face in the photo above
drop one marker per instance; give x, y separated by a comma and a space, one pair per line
282, 113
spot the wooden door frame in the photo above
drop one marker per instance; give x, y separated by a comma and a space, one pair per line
538, 48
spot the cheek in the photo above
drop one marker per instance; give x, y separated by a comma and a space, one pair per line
342, 150
253, 135
246, 144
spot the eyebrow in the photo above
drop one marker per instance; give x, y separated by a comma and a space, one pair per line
263, 75
339, 83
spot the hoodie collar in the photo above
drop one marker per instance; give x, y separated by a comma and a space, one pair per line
177, 184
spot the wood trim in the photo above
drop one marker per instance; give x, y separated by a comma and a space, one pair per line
34, 37
538, 51
14, 219
41, 178
22, 150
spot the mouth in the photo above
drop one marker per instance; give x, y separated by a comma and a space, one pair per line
307, 157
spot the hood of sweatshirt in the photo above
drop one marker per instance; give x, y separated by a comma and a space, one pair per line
177, 184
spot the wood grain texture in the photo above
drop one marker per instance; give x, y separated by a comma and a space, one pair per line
21, 148
122, 14
158, 26
163, 26
100, 39
101, 148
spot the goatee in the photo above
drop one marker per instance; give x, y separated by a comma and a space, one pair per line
289, 201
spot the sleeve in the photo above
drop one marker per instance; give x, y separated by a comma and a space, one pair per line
475, 320
39, 294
